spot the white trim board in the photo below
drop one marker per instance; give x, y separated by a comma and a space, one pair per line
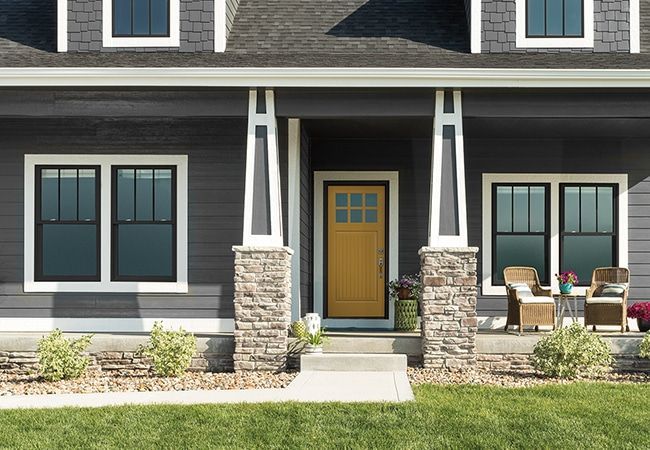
320, 177
220, 32
173, 40
111, 325
635, 26
554, 179
294, 213
61, 26
587, 41
105, 162
476, 28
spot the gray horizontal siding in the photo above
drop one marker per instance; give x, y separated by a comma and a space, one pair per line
216, 151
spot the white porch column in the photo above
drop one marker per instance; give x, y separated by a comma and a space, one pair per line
294, 164
448, 210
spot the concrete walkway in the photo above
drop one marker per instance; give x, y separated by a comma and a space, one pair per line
322, 386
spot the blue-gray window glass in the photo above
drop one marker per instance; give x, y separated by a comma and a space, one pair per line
554, 18
520, 228
143, 18
356, 216
356, 200
342, 200
144, 224
588, 233
67, 230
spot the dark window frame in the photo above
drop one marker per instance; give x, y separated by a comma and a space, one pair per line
39, 222
115, 223
497, 279
557, 36
615, 219
148, 35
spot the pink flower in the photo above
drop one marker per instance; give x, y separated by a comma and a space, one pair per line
640, 310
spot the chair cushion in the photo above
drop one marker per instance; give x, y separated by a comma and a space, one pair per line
604, 300
536, 299
523, 292
613, 290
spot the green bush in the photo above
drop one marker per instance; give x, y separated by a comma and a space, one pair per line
571, 352
171, 351
644, 348
61, 358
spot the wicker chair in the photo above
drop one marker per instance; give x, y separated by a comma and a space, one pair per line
602, 310
537, 310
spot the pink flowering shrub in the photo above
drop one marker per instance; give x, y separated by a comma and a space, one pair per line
640, 310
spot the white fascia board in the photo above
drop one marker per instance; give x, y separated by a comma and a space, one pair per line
326, 77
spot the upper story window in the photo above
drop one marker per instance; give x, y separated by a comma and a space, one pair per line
554, 18
140, 18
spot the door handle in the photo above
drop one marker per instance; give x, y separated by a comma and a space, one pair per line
381, 267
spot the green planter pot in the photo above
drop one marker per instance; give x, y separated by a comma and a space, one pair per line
406, 315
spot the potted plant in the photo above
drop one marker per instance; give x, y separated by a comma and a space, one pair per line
406, 292
314, 341
641, 312
566, 281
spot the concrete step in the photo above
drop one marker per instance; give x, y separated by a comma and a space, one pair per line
353, 362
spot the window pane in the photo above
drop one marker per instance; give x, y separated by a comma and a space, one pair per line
520, 251
159, 20
573, 17
521, 208
605, 209
583, 254
87, 190
140, 17
371, 199
68, 194
588, 209
356, 216
537, 209
145, 250
356, 200
371, 215
571, 209
49, 194
554, 17
163, 195
125, 194
122, 17
342, 200
341, 216
69, 250
535, 12
504, 208
144, 194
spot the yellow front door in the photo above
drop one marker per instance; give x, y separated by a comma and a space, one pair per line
356, 257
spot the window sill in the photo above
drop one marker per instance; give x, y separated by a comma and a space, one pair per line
132, 42
178, 287
493, 291
544, 42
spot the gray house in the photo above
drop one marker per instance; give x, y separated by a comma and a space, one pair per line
327, 142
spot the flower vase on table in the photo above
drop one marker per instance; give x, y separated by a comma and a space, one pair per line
566, 281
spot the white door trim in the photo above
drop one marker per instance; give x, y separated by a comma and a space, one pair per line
319, 252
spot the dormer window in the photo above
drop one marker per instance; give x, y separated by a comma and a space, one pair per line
140, 18
554, 23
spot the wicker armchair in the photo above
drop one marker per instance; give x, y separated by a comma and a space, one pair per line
522, 311
607, 310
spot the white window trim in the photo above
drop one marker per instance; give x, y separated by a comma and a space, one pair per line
173, 40
106, 285
393, 242
587, 41
554, 251
113, 325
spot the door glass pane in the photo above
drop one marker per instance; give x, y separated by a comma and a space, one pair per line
588, 209
573, 17
521, 208
605, 209
145, 250
371, 199
141, 17
341, 216
583, 254
356, 200
49, 194
68, 194
69, 250
125, 194
371, 215
571, 209
554, 17
535, 13
159, 16
342, 200
144, 194
504, 208
163, 196
87, 190
356, 216
520, 251
537, 209
122, 17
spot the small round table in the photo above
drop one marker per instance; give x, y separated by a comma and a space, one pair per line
563, 306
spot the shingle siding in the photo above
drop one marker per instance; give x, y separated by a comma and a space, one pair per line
231, 11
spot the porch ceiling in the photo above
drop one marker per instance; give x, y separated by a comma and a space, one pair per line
370, 128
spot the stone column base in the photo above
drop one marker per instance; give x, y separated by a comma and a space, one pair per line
449, 323
262, 307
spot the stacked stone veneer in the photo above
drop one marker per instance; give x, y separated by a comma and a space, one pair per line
520, 362
611, 28
196, 27
262, 307
449, 323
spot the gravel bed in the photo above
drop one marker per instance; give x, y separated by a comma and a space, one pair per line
510, 378
11, 384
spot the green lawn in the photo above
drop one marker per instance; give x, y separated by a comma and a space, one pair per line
578, 415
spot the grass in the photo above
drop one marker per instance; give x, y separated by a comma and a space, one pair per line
570, 416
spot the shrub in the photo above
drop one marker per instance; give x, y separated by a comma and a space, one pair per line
61, 358
171, 351
644, 348
570, 352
